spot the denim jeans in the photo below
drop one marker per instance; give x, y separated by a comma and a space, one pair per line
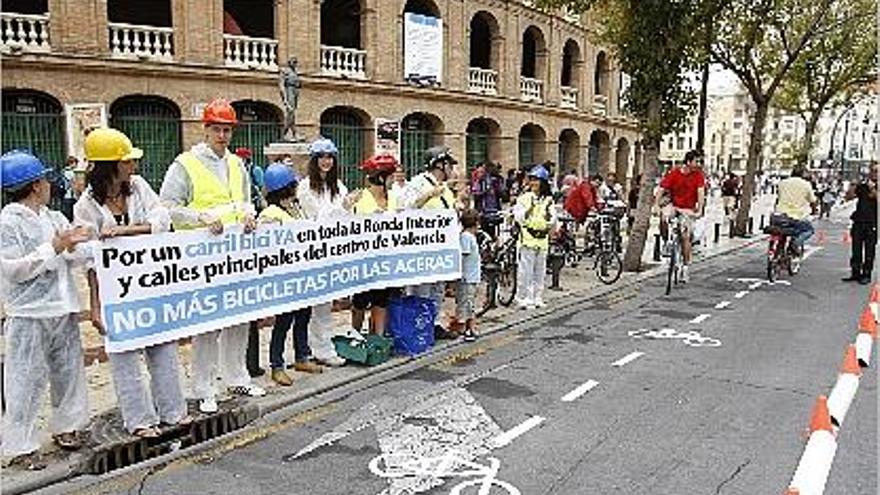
803, 230
300, 320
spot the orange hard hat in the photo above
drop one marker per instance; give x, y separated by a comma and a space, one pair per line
219, 111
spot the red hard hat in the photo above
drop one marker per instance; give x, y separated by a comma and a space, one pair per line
219, 111
243, 153
379, 163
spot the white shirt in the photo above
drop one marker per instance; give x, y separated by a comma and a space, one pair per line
318, 206
144, 207
37, 282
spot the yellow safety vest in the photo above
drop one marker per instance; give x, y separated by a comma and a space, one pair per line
536, 221
446, 200
209, 195
367, 203
275, 212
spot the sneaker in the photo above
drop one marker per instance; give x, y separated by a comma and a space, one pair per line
539, 303
248, 390
470, 336
308, 367
334, 361
281, 377
255, 372
441, 333
852, 278
208, 405
683, 275
865, 280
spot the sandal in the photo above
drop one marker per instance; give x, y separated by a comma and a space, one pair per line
30, 462
69, 440
186, 420
147, 432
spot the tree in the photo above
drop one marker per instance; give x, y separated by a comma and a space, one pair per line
831, 69
759, 41
653, 43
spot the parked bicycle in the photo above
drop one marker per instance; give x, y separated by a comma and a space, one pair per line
782, 253
498, 257
601, 243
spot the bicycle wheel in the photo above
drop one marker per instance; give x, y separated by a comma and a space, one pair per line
795, 257
488, 299
772, 270
672, 274
608, 267
505, 290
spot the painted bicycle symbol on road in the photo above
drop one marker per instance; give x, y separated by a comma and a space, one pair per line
691, 338
448, 465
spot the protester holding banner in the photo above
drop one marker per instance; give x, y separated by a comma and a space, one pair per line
281, 183
374, 199
429, 190
118, 203
38, 250
323, 196
209, 187
535, 214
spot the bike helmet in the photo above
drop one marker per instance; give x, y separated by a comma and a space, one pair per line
379, 164
19, 168
278, 176
439, 156
322, 146
539, 172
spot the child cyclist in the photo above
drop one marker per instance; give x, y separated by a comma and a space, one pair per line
281, 183
38, 250
375, 198
466, 288
535, 215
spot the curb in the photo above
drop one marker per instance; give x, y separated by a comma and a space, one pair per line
271, 410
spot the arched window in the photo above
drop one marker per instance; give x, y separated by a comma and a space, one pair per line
341, 23
348, 128
571, 55
532, 140
418, 132
483, 35
153, 124
569, 151
481, 142
259, 123
533, 53
597, 160
600, 75
34, 121
621, 161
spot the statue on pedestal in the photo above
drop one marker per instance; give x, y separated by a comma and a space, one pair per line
289, 83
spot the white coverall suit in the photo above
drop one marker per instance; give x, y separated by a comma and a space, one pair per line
221, 348
165, 401
41, 329
538, 214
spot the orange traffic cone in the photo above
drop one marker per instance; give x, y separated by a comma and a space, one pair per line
821, 418
850, 363
875, 294
867, 323
792, 491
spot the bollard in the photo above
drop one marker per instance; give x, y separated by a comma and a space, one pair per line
717, 232
762, 223
730, 229
656, 247
751, 225
556, 261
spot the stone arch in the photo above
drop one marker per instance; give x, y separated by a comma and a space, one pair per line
482, 141
153, 124
599, 153
621, 160
485, 42
569, 151
351, 129
34, 121
532, 145
533, 62
418, 132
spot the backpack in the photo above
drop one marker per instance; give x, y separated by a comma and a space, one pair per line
579, 201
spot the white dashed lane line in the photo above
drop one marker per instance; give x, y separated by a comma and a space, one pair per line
700, 319
741, 294
579, 391
510, 435
627, 359
722, 305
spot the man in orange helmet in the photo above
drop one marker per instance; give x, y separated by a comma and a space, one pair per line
208, 186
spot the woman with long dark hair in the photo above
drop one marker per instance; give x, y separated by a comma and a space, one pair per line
116, 203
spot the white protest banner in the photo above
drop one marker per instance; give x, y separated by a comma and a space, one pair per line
163, 287
423, 47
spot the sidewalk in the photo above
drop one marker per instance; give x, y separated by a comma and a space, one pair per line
108, 436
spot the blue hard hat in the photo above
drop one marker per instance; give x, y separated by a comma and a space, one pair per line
19, 168
278, 176
322, 146
539, 172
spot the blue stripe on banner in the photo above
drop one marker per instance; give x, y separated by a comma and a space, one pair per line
148, 317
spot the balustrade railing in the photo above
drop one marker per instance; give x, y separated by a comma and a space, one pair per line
345, 62
483, 81
247, 52
141, 42
531, 89
568, 97
24, 32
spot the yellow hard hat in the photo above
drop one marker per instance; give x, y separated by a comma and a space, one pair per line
109, 145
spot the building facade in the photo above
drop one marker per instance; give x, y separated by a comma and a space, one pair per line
492, 79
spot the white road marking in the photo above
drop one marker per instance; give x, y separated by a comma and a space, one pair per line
700, 319
628, 358
741, 294
510, 435
722, 305
811, 250
579, 391
756, 285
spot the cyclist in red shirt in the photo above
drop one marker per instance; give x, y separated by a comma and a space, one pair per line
685, 187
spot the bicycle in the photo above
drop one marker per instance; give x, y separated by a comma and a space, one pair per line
673, 276
782, 253
499, 268
448, 465
601, 243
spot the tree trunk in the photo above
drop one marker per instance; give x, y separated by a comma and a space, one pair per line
809, 132
632, 258
756, 146
704, 103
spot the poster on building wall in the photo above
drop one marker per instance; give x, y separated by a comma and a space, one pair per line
423, 48
623, 94
388, 137
81, 118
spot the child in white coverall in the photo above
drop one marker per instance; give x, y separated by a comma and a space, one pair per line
38, 250
536, 217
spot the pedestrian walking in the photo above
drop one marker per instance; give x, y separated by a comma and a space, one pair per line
863, 231
323, 197
281, 185
466, 286
208, 186
38, 251
730, 193
430, 191
119, 203
534, 213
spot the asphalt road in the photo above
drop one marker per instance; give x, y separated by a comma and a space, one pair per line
723, 415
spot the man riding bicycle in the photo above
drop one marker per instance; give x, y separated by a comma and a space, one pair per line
794, 204
686, 189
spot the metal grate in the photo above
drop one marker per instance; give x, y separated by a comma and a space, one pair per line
153, 124
346, 130
259, 125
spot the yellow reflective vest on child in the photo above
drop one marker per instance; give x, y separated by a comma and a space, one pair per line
536, 217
